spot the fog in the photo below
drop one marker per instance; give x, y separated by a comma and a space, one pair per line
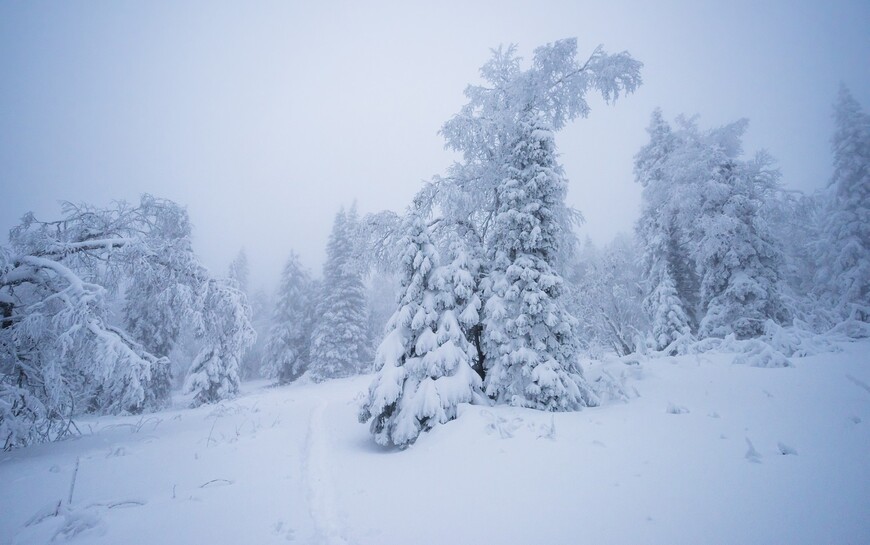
265, 119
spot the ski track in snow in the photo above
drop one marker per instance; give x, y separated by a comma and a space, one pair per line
320, 488
860, 383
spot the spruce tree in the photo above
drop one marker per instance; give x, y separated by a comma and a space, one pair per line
664, 260
288, 349
843, 277
425, 360
225, 331
669, 322
530, 338
239, 271
737, 255
502, 187
340, 343
709, 250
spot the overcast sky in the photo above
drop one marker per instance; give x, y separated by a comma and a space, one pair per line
263, 118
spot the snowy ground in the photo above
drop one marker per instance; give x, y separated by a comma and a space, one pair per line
704, 452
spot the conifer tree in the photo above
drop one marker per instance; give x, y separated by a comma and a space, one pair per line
530, 338
505, 133
843, 276
288, 350
425, 360
224, 328
239, 271
340, 344
664, 260
737, 255
706, 239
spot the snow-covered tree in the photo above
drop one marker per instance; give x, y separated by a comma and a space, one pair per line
287, 352
795, 221
530, 339
485, 130
340, 345
605, 294
462, 276
669, 324
425, 360
161, 293
381, 290
736, 254
225, 332
843, 276
61, 353
703, 211
668, 273
511, 188
261, 319
239, 271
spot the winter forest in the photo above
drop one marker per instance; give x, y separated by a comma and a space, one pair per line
475, 333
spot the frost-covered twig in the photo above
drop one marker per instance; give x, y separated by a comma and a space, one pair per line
72, 484
222, 482
208, 440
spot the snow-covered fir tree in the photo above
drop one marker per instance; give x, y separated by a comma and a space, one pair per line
425, 360
287, 352
239, 271
709, 251
736, 254
510, 187
666, 266
530, 339
340, 344
843, 271
225, 332
462, 277
669, 324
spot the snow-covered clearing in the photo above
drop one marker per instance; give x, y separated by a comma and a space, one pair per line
704, 452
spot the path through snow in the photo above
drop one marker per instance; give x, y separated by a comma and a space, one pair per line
316, 472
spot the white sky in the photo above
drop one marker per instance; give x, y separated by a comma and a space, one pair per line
263, 118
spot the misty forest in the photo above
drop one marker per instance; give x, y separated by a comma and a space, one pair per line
470, 368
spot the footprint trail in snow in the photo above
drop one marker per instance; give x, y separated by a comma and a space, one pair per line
320, 488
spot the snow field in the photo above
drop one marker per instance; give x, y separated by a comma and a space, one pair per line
752, 456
